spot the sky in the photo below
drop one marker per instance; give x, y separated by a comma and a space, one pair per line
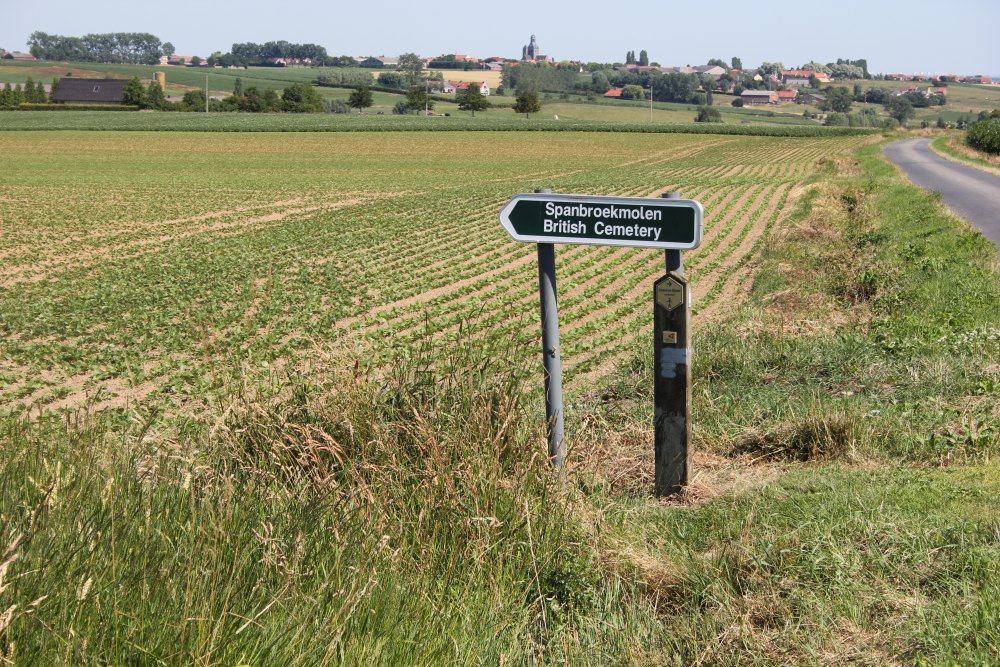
916, 36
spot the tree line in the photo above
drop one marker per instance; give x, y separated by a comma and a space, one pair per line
137, 48
31, 92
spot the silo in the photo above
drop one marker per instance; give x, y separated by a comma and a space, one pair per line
161, 78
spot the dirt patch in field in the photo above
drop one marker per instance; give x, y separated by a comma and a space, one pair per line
739, 267
623, 460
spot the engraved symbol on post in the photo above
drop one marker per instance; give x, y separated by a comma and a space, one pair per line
670, 294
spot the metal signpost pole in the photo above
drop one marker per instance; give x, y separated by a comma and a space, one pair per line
670, 224
550, 350
672, 384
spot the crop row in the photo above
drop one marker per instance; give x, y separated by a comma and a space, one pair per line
498, 120
186, 262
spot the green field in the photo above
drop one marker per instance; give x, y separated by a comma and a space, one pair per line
275, 398
306, 235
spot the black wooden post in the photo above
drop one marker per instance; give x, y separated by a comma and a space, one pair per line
672, 366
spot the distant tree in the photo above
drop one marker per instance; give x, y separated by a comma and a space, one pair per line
40, 95
133, 93
708, 115
339, 106
676, 87
836, 120
52, 90
899, 108
34, 94
630, 58
839, 99
472, 100
238, 87
360, 98
256, 101
401, 108
717, 62
167, 49
643, 58
196, 61
940, 122
738, 102
391, 80
599, 82
633, 92
725, 82
193, 100
527, 102
846, 71
412, 66
767, 69
814, 82
154, 98
814, 66
301, 98
418, 100
736, 63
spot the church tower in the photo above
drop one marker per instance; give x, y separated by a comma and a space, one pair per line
531, 51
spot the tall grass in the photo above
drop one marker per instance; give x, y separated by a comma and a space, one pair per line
399, 520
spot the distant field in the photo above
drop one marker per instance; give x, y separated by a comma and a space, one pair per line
492, 79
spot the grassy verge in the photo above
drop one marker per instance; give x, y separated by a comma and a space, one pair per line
844, 506
949, 146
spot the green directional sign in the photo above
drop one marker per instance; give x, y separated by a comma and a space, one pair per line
669, 224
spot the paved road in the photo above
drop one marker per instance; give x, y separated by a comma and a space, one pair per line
970, 193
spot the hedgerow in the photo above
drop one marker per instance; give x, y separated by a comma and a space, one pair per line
985, 136
495, 121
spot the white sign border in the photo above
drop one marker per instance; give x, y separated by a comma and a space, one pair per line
699, 217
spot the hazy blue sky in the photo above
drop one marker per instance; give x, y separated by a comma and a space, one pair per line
912, 36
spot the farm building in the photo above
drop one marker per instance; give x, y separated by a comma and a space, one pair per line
755, 97
615, 93
811, 98
787, 96
463, 86
89, 91
17, 55
800, 77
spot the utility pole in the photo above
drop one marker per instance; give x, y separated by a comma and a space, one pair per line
650, 100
